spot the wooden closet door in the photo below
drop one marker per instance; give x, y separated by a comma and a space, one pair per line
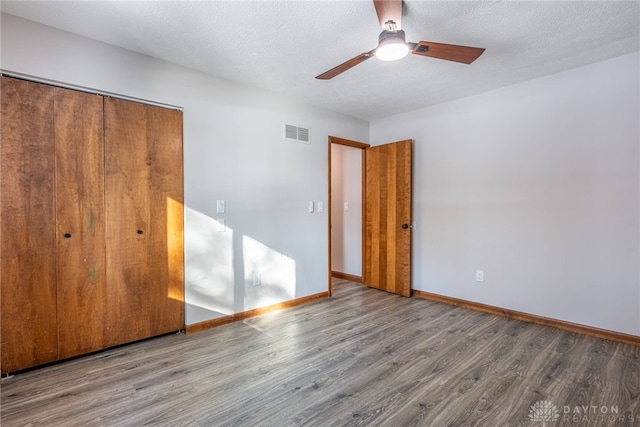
127, 220
143, 220
166, 237
79, 189
27, 225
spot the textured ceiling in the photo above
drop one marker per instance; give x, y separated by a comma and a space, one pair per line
282, 45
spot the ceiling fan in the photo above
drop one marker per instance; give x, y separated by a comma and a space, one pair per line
392, 44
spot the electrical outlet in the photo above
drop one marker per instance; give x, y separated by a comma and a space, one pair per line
257, 279
479, 275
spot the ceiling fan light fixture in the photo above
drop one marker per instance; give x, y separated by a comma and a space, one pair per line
391, 46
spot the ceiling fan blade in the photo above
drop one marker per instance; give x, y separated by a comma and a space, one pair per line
450, 52
389, 10
346, 65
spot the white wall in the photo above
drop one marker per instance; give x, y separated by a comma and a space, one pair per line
537, 184
233, 150
346, 226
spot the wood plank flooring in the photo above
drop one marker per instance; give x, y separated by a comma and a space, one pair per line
361, 358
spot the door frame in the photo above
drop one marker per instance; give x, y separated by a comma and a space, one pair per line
362, 146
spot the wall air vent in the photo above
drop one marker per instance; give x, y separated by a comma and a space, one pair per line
296, 133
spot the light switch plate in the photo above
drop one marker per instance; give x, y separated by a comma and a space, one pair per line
221, 225
310, 208
346, 206
220, 206
320, 207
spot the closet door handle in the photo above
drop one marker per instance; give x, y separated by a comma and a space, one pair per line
139, 231
67, 235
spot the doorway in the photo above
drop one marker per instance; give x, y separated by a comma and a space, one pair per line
381, 243
346, 201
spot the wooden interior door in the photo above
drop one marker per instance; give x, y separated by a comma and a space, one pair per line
387, 240
27, 225
79, 190
143, 220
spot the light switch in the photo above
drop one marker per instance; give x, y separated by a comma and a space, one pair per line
346, 206
310, 208
320, 207
220, 206
221, 225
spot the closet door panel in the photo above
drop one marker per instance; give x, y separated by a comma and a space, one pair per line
27, 225
127, 220
166, 251
79, 189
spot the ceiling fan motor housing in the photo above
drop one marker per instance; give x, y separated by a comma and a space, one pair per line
387, 36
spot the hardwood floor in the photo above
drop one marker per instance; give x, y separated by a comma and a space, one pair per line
361, 358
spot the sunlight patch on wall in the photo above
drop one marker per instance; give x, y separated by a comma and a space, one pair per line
209, 274
270, 276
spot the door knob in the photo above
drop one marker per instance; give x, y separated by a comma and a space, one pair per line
67, 235
405, 226
139, 231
